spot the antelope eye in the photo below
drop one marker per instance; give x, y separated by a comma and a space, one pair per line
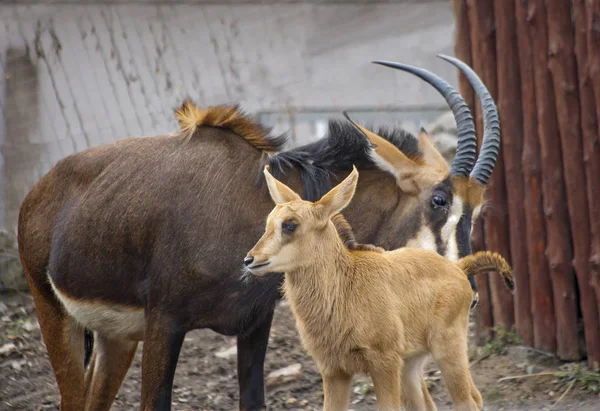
438, 201
288, 226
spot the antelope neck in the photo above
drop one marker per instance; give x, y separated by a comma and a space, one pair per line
313, 289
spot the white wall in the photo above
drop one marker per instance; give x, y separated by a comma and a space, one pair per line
103, 72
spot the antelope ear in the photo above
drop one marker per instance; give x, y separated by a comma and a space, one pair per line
280, 193
431, 156
412, 177
339, 196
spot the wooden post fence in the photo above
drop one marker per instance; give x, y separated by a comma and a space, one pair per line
541, 62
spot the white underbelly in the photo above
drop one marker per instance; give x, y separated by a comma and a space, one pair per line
105, 318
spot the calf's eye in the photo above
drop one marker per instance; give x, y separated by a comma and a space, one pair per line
288, 226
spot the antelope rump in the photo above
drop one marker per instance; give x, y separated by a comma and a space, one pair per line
142, 239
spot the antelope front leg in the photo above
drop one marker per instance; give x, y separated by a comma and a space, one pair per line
251, 350
386, 379
336, 387
162, 344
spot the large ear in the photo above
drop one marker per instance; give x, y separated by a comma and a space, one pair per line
431, 156
280, 193
412, 177
339, 196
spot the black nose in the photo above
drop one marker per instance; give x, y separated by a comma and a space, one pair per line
248, 261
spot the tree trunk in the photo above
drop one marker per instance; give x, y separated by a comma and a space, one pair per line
591, 140
483, 47
558, 250
563, 67
511, 116
542, 303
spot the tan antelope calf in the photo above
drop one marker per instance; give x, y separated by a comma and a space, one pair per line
371, 311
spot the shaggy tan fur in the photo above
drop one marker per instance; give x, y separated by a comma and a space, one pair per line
191, 117
358, 311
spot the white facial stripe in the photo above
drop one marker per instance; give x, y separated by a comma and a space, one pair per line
476, 212
424, 239
475, 216
448, 231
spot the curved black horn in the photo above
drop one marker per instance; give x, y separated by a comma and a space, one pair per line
466, 149
490, 144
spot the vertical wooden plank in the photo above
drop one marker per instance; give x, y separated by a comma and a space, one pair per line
462, 50
511, 117
542, 302
563, 67
558, 252
483, 43
592, 142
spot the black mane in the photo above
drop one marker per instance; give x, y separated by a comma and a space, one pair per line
343, 146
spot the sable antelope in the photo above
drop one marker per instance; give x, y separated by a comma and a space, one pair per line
370, 312
142, 238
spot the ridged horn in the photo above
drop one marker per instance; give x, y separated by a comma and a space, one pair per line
466, 149
490, 144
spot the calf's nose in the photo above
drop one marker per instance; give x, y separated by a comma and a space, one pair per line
248, 261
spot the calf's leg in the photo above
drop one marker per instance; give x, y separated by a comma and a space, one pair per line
251, 351
386, 380
337, 386
415, 395
449, 349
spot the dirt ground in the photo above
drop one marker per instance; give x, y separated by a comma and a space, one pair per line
206, 376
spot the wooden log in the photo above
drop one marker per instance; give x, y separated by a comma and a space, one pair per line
483, 50
558, 251
462, 50
542, 302
591, 140
511, 117
563, 66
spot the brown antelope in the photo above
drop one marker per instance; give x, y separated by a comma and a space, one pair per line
370, 311
141, 239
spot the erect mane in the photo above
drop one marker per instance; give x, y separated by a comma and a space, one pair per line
191, 118
344, 230
342, 147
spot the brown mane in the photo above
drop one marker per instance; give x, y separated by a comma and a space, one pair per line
346, 233
191, 118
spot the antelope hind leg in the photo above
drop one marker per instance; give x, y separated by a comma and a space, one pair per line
415, 395
449, 349
110, 361
64, 341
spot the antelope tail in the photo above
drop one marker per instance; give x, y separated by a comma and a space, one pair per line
487, 261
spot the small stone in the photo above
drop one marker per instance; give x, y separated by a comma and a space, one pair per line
283, 375
7, 348
30, 326
228, 353
303, 402
291, 401
551, 393
16, 365
531, 369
